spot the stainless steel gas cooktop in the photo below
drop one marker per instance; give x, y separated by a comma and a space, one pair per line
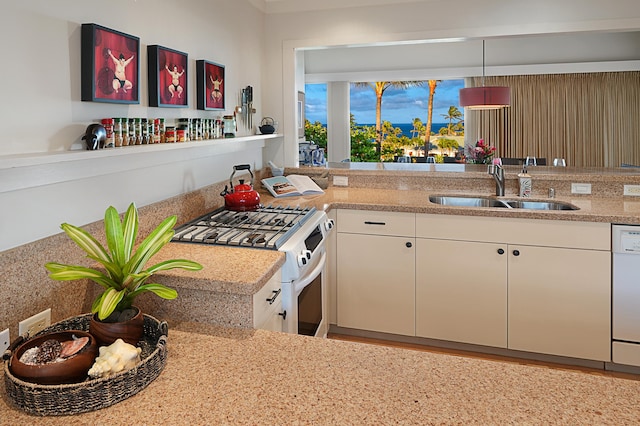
268, 227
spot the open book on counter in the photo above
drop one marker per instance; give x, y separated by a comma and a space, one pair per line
291, 185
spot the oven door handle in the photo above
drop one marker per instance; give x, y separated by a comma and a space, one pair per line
308, 278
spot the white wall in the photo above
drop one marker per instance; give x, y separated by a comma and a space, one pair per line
424, 20
43, 115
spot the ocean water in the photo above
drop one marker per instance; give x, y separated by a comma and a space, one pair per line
407, 127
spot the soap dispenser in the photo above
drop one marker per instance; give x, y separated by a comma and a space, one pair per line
524, 181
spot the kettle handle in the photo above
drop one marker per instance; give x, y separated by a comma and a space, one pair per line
241, 167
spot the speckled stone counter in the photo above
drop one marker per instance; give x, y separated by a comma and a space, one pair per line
591, 209
406, 187
217, 376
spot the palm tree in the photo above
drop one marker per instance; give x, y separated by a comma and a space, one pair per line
379, 87
453, 114
432, 92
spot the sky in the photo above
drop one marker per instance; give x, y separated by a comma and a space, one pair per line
398, 105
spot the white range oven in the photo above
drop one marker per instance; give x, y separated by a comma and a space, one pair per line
298, 232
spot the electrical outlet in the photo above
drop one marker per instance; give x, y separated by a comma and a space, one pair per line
5, 339
581, 188
341, 180
34, 324
633, 190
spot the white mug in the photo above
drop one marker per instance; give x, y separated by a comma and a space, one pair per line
559, 162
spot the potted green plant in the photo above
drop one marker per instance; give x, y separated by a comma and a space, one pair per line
125, 276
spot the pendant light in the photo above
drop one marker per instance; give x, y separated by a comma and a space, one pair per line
485, 97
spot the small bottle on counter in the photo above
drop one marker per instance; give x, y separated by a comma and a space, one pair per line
229, 126
126, 130
181, 134
170, 134
524, 182
137, 131
150, 130
162, 131
117, 132
107, 123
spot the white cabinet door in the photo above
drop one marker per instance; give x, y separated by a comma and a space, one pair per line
376, 283
560, 301
461, 291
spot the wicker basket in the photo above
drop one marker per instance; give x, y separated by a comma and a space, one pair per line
92, 394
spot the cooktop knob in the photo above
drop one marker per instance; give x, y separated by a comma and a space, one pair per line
329, 224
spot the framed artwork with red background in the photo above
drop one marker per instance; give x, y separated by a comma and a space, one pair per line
167, 77
210, 85
110, 65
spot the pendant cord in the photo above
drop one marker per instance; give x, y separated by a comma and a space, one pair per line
482, 63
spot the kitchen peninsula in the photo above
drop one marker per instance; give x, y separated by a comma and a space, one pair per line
243, 377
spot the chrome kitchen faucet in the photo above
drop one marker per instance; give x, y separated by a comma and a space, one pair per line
497, 172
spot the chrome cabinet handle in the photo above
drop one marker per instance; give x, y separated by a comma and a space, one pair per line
500, 251
516, 252
408, 244
274, 297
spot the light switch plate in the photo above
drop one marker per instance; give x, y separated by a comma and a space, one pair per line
341, 180
581, 188
5, 340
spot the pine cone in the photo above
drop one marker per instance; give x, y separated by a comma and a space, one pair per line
48, 351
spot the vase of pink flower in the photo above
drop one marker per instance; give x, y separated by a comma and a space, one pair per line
481, 153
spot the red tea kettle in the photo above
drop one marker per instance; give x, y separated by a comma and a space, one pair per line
242, 197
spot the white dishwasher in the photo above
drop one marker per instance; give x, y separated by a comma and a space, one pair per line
626, 295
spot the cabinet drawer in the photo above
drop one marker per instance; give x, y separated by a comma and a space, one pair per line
376, 223
262, 308
548, 233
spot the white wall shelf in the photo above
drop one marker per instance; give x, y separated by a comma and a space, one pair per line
24, 171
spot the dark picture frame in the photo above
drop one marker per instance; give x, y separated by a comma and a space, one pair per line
168, 77
110, 65
209, 85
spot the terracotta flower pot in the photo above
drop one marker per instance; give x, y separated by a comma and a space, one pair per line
71, 370
106, 333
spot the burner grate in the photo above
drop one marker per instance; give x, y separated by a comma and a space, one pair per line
268, 227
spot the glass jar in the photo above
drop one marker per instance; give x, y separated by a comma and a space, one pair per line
161, 131
144, 138
181, 134
229, 126
117, 132
107, 123
137, 131
170, 134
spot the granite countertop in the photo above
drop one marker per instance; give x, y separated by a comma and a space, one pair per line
221, 376
225, 269
217, 375
624, 210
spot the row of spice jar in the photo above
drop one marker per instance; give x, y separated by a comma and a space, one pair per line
142, 131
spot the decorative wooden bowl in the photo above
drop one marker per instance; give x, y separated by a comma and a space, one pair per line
108, 332
71, 370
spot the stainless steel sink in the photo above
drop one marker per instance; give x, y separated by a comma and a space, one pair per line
487, 201
467, 201
540, 205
